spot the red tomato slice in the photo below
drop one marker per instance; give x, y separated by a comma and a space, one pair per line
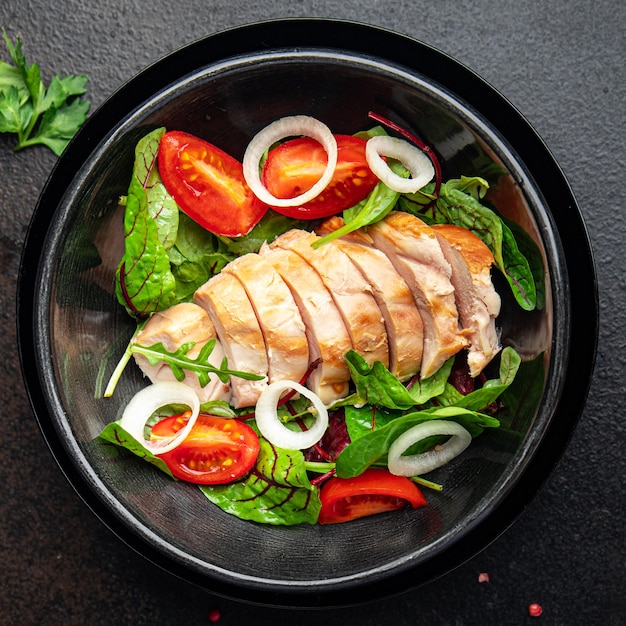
208, 185
216, 451
296, 165
374, 491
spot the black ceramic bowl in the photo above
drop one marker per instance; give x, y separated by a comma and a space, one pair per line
71, 330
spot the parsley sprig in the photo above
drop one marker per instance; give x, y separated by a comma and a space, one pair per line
39, 115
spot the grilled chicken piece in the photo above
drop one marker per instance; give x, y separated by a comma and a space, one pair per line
350, 291
477, 301
325, 329
278, 315
180, 324
403, 322
238, 330
415, 252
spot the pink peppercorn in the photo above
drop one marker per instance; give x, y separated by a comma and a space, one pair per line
214, 615
534, 610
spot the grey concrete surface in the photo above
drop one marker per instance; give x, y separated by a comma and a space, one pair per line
561, 64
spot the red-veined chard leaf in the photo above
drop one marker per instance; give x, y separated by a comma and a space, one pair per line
144, 281
277, 491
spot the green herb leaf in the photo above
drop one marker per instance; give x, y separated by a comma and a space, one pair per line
277, 491
37, 115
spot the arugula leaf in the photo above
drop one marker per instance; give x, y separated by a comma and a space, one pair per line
277, 491
49, 117
179, 361
372, 447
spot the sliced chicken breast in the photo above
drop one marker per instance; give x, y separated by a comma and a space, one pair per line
237, 327
180, 324
403, 322
416, 254
477, 301
278, 316
349, 290
326, 331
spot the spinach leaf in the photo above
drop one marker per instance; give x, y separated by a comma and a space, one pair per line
115, 434
372, 447
271, 226
517, 271
529, 249
277, 491
377, 385
459, 203
196, 256
491, 389
375, 207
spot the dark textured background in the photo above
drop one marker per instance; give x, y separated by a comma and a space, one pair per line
562, 64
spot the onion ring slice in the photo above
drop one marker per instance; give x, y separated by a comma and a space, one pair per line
418, 464
414, 159
145, 402
292, 126
275, 431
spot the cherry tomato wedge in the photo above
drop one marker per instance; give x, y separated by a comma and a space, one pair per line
372, 492
296, 165
216, 451
208, 185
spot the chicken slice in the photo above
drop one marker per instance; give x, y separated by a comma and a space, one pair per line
349, 290
403, 322
236, 325
477, 301
180, 324
415, 252
278, 316
326, 331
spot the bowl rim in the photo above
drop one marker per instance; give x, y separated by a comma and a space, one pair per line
464, 84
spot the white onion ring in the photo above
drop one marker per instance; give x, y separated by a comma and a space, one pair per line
292, 126
145, 402
275, 431
414, 159
418, 464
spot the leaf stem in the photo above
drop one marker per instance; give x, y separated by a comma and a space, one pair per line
427, 483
